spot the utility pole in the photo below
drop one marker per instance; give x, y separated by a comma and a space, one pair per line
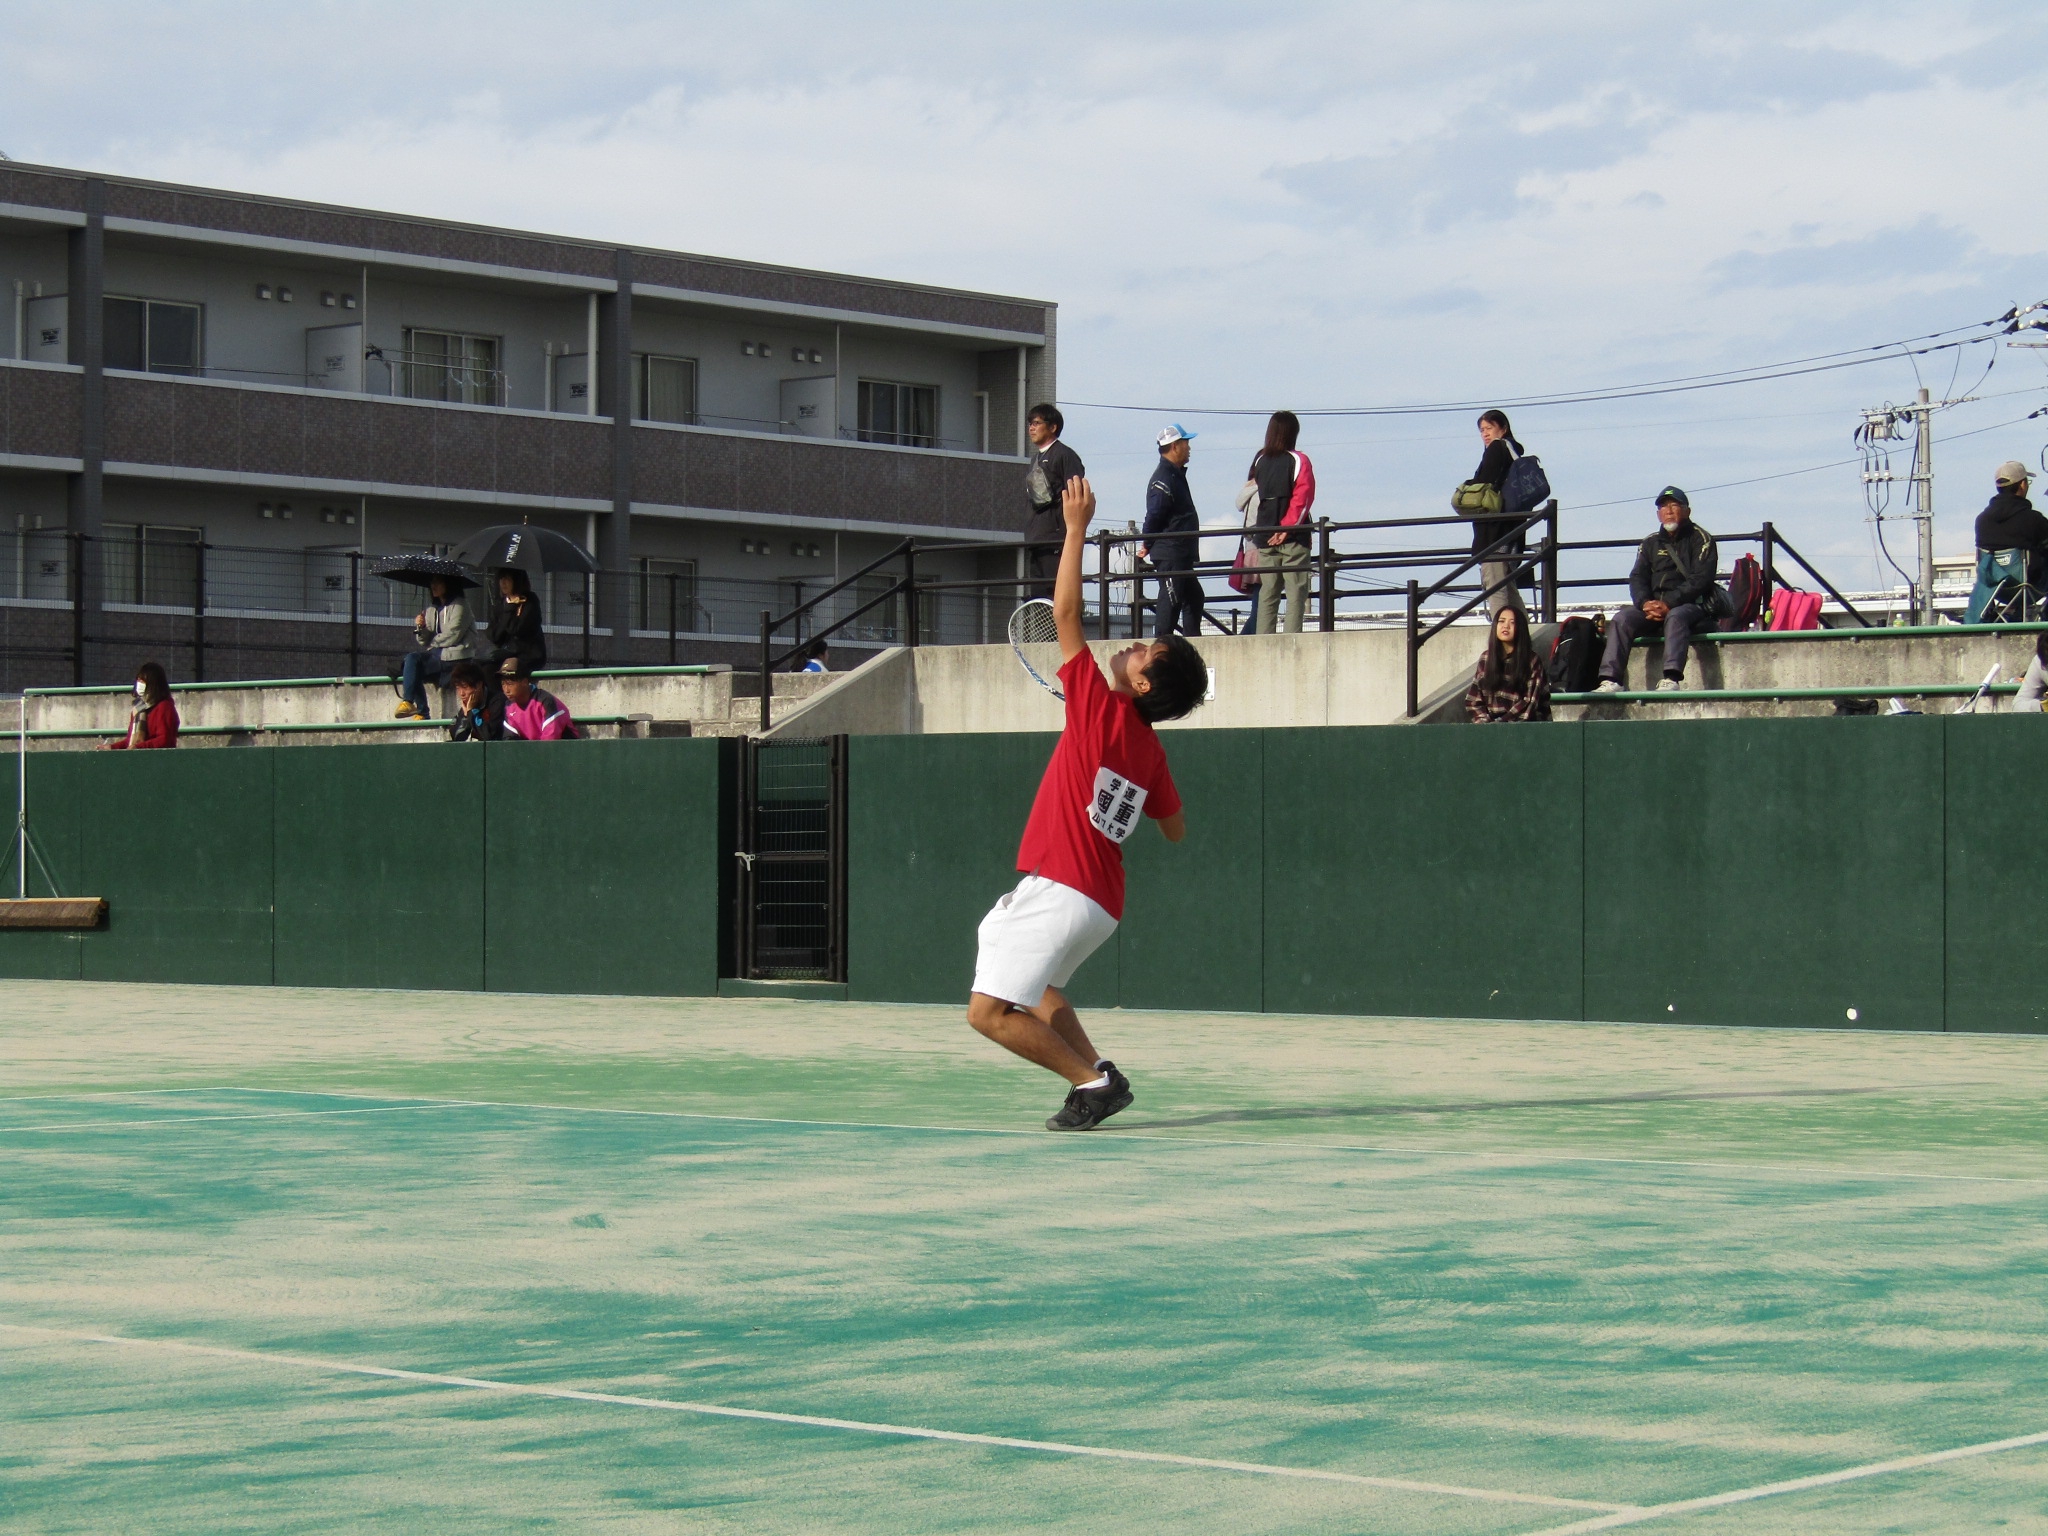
1923, 501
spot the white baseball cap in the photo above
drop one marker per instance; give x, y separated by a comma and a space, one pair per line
1175, 434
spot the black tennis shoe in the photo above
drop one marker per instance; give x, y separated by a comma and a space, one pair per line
1122, 1085
1086, 1108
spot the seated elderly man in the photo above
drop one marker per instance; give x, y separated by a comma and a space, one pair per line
1673, 590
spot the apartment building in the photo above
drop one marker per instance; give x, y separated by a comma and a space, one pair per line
217, 409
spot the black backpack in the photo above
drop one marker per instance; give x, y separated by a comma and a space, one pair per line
1526, 487
1574, 664
1745, 594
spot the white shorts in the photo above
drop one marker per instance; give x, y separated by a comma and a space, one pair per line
1036, 937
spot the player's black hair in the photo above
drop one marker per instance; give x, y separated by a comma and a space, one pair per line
1179, 679
465, 674
1050, 415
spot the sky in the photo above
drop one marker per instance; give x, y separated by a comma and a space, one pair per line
1310, 206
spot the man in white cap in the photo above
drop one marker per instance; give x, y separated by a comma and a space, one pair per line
1170, 525
2009, 521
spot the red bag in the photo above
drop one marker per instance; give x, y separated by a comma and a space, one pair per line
1243, 576
1795, 610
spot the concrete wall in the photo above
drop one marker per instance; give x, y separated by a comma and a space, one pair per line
1352, 677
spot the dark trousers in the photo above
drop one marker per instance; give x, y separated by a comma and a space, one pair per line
1180, 602
1684, 621
417, 670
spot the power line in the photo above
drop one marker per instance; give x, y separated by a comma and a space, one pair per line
1825, 362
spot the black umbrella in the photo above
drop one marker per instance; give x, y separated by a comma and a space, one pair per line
424, 571
523, 547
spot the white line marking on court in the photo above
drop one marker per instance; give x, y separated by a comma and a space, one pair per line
1794, 1485
717, 1410
1113, 1137
282, 1114
123, 1093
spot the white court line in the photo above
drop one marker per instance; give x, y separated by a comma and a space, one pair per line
282, 1114
1115, 1136
716, 1410
1794, 1485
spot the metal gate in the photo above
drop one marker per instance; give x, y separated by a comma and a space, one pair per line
791, 850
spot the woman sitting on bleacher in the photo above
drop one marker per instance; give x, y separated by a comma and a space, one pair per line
1511, 683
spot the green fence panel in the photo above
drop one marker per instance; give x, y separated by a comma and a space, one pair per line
1191, 937
1996, 765
1765, 871
380, 866
53, 814
931, 844
1423, 871
602, 865
179, 843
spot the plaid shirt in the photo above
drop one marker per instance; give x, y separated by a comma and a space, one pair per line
1532, 703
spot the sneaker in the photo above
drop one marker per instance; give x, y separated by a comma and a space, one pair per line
1607, 685
1122, 1085
407, 712
1086, 1108
1671, 685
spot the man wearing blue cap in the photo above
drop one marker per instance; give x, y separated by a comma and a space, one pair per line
1170, 525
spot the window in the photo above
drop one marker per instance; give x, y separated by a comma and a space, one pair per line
905, 414
665, 389
655, 582
884, 621
451, 365
150, 336
149, 563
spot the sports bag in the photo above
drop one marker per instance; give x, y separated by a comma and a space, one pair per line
1574, 662
1526, 487
1795, 610
1475, 498
1745, 594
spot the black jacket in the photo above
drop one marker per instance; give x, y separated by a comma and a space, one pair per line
2009, 521
517, 632
1045, 480
484, 723
1170, 509
1275, 473
1677, 568
1493, 471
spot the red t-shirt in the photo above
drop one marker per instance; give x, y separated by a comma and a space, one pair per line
1107, 771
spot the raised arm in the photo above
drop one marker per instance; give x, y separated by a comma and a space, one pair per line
1077, 505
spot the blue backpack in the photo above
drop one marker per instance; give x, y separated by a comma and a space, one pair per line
1526, 487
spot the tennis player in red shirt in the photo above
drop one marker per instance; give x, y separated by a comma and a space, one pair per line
1107, 774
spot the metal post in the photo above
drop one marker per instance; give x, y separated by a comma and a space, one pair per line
1414, 689
1550, 565
1326, 580
1102, 584
1923, 491
588, 594
355, 608
767, 687
199, 613
673, 578
910, 592
1770, 543
1138, 595
77, 543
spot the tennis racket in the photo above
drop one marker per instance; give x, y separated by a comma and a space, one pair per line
1033, 624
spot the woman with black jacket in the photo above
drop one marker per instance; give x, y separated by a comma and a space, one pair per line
515, 628
1501, 451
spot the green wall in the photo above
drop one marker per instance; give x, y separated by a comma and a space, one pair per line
1721, 872
1724, 872
585, 868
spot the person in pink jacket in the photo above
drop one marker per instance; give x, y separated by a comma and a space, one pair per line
532, 714
1287, 489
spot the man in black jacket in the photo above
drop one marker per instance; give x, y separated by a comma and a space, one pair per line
1051, 465
479, 708
1170, 525
2010, 521
1673, 587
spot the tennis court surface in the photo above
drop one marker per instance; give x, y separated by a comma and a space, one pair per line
278, 1260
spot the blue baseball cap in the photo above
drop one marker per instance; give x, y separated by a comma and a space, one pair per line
1175, 434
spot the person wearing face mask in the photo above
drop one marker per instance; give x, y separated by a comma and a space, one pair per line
1673, 590
153, 721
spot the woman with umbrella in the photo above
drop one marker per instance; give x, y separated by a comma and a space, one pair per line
442, 627
515, 627
516, 553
